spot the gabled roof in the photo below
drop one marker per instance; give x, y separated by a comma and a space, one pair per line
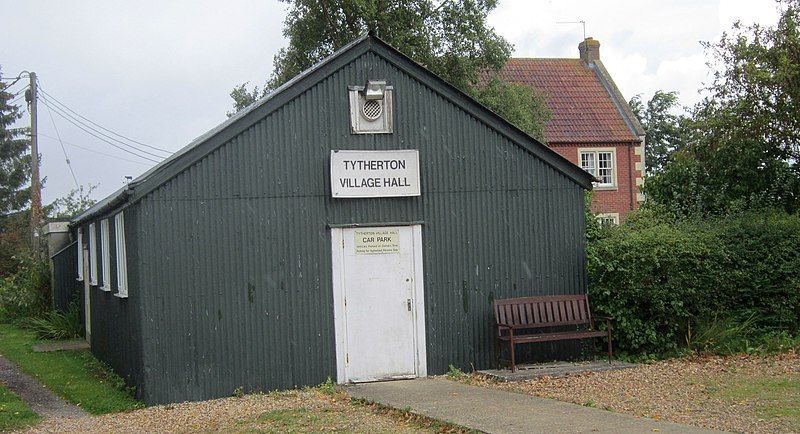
219, 135
585, 103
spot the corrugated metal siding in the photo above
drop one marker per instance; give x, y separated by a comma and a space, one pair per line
66, 289
233, 255
115, 330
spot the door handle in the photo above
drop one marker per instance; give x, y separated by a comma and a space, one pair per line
408, 303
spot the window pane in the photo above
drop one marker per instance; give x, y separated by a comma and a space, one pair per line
605, 167
587, 162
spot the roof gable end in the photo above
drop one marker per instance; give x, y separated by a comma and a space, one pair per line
221, 134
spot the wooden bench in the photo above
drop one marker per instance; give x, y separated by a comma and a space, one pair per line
520, 320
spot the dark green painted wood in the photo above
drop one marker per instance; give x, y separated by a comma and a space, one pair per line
229, 258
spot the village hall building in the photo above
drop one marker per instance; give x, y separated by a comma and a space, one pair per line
356, 223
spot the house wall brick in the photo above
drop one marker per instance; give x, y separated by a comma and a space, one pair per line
629, 165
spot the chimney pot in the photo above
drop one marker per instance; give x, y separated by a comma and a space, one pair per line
589, 50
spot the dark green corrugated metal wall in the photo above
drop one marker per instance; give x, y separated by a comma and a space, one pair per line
232, 268
116, 336
66, 289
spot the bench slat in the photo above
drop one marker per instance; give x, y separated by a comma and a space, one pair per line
555, 336
544, 311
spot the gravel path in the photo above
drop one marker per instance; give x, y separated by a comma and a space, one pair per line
292, 411
41, 400
678, 390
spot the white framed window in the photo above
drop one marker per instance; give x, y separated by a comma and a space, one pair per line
105, 255
122, 263
92, 255
608, 219
80, 254
600, 163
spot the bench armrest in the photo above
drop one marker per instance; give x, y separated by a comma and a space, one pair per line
508, 326
607, 318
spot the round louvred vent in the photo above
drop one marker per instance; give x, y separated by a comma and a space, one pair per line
372, 109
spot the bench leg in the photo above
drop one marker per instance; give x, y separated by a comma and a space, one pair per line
498, 349
609, 347
513, 358
594, 349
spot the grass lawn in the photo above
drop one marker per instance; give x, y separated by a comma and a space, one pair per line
742, 393
14, 413
770, 399
75, 375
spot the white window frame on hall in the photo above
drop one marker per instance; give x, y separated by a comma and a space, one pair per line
92, 255
80, 254
105, 255
600, 163
122, 252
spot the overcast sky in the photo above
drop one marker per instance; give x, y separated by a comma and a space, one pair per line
160, 72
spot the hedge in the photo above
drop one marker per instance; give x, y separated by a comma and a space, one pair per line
660, 279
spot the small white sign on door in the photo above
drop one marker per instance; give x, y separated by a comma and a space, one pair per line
375, 173
377, 241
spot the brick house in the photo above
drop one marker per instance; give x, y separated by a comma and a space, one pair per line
591, 125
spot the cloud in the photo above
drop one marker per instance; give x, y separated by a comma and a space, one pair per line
160, 72
646, 45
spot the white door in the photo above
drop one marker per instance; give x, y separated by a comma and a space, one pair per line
379, 320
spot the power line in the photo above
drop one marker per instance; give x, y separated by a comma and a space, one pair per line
64, 150
17, 78
104, 138
23, 89
75, 145
51, 97
14, 101
94, 134
73, 119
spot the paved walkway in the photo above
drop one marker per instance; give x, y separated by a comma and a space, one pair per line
41, 400
554, 369
498, 411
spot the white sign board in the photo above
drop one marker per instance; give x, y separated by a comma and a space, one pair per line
377, 241
375, 173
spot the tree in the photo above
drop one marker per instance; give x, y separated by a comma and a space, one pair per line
663, 128
742, 141
449, 37
517, 103
14, 159
75, 202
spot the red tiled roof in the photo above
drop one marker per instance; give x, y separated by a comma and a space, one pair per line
582, 110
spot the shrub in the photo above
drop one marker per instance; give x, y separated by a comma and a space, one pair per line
660, 279
57, 325
24, 294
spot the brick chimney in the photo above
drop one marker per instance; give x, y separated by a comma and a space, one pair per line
589, 50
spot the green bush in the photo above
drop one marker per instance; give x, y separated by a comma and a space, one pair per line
25, 294
57, 325
661, 279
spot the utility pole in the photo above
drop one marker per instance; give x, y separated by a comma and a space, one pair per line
36, 187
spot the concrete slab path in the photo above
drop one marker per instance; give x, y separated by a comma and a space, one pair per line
498, 411
40, 399
554, 369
